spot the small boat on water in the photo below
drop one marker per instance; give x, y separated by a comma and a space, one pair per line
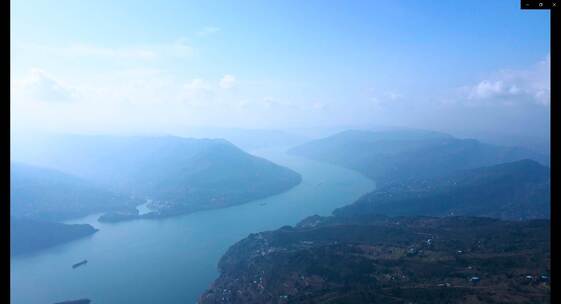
84, 262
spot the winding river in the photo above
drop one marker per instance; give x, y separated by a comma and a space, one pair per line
174, 260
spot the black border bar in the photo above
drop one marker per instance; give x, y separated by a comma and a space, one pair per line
554, 167
540, 4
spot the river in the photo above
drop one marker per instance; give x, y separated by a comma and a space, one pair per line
174, 260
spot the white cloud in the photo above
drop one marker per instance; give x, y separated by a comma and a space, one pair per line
489, 89
282, 104
269, 102
39, 86
198, 92
513, 86
149, 99
227, 82
318, 106
118, 53
198, 85
140, 52
393, 95
177, 49
244, 103
383, 99
208, 30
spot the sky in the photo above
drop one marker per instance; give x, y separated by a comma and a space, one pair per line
162, 66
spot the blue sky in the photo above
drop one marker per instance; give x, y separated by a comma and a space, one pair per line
106, 65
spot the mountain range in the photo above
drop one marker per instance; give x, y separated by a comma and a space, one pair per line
62, 177
451, 221
392, 156
517, 190
180, 175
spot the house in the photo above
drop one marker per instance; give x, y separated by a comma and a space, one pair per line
474, 280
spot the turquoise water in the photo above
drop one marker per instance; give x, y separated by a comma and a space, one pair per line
174, 260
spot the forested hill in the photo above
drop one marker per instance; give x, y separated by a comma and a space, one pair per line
180, 174
391, 156
27, 236
517, 190
50, 195
376, 259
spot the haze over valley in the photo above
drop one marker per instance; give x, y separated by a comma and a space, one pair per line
279, 152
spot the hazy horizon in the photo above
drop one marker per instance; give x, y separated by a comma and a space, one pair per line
122, 69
